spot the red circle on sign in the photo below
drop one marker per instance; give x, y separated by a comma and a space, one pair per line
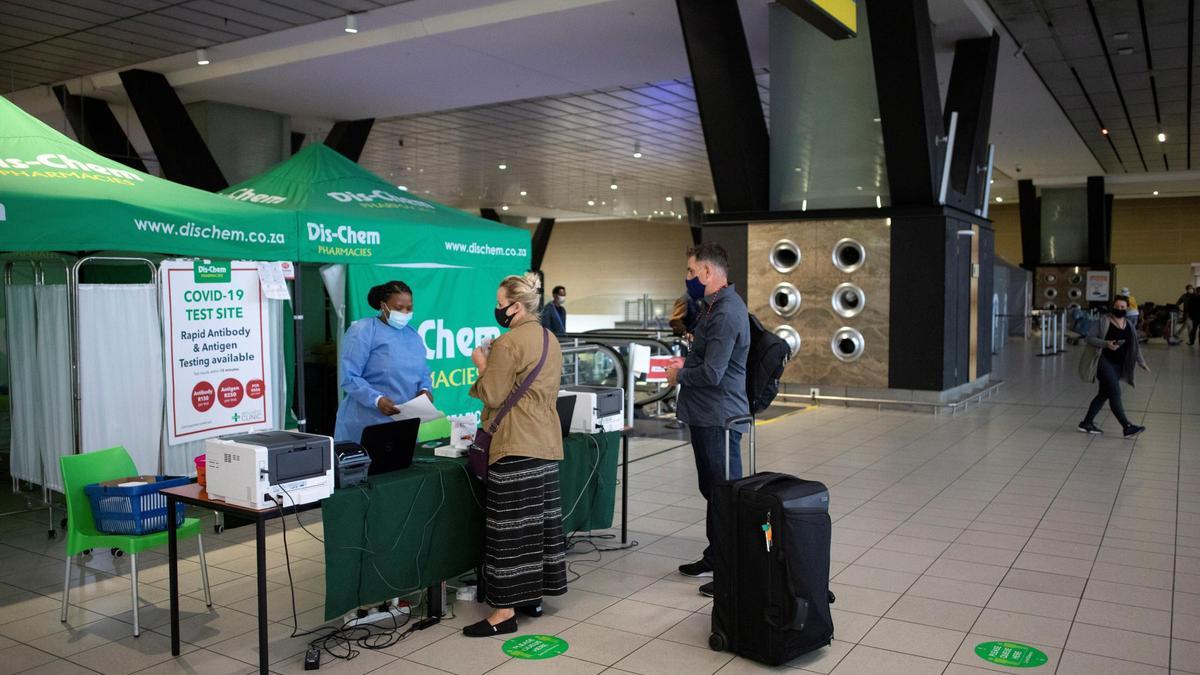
255, 388
230, 392
203, 396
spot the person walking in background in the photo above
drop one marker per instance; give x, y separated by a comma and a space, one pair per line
1193, 313
713, 381
554, 314
1114, 353
524, 551
1185, 319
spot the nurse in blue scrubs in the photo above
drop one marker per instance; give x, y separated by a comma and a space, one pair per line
383, 363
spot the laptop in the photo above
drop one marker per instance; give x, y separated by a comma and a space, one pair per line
391, 445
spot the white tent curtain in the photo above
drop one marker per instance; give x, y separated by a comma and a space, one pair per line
121, 370
26, 463
334, 277
56, 435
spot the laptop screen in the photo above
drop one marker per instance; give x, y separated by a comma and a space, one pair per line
391, 445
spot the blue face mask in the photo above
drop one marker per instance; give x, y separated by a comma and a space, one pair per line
695, 289
398, 320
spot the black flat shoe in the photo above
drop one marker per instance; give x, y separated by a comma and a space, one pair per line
531, 611
485, 629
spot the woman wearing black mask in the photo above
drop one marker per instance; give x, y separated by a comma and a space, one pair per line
524, 554
1112, 356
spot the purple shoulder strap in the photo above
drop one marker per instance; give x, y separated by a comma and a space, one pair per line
512, 399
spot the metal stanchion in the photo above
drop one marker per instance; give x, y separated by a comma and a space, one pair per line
1062, 334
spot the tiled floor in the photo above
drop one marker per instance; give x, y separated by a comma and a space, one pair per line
1000, 523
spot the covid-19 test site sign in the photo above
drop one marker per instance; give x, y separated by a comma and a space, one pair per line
217, 349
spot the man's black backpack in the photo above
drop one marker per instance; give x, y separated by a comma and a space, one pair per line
765, 362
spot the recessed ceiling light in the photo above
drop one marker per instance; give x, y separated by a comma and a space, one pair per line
1162, 137
803, 204
876, 119
502, 166
1104, 130
796, 169
591, 202
1121, 36
999, 199
403, 187
351, 23
992, 181
613, 184
670, 198
523, 193
878, 202
859, 187
504, 207
637, 149
202, 57
1156, 193
1124, 51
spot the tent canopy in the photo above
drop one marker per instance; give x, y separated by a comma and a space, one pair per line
56, 195
346, 214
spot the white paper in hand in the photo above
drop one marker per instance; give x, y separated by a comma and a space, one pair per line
420, 407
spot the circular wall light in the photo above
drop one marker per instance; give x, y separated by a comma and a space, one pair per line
1076, 279
1075, 293
1074, 306
785, 256
848, 255
785, 300
1050, 306
791, 337
1050, 293
848, 300
848, 344
1050, 278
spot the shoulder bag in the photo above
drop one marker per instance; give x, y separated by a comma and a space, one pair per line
477, 454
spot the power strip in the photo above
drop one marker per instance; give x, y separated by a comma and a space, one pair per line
397, 614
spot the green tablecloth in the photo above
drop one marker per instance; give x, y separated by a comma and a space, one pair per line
410, 529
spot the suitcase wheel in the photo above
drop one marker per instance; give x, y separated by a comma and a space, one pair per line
832, 598
717, 642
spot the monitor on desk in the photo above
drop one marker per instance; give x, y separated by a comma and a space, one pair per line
391, 445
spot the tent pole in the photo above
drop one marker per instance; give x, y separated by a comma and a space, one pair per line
298, 350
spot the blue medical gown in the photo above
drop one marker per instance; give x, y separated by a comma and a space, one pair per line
378, 360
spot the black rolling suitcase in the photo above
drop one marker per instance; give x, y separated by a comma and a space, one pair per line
770, 564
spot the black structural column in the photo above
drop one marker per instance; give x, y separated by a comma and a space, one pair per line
350, 137
540, 242
922, 353
1031, 224
1096, 223
97, 128
735, 132
181, 151
972, 82
297, 140
489, 214
1108, 216
909, 102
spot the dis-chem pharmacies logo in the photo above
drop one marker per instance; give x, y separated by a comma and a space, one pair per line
377, 199
213, 272
60, 162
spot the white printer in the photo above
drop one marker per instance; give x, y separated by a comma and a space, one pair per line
254, 470
596, 408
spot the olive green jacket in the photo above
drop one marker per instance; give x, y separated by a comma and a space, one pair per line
531, 428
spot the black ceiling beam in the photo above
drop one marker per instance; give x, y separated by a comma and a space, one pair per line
735, 132
181, 151
541, 241
490, 214
350, 137
1097, 219
1104, 130
1031, 224
695, 217
972, 84
1191, 52
909, 101
297, 140
1112, 72
97, 128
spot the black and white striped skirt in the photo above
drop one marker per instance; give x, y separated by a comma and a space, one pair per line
524, 554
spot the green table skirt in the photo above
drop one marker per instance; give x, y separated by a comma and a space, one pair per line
408, 530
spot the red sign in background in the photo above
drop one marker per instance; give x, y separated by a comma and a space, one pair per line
229, 393
203, 396
255, 388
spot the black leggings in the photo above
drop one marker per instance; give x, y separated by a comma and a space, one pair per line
1109, 376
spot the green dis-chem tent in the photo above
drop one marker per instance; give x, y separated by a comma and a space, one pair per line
452, 260
56, 195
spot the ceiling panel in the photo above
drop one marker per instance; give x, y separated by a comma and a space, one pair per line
1061, 34
81, 37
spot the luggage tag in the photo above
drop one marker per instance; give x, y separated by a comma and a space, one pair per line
766, 528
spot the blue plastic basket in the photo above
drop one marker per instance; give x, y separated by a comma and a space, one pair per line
140, 509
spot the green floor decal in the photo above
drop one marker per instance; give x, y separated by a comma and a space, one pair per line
535, 647
1012, 654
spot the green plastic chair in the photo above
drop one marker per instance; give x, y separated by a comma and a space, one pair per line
95, 467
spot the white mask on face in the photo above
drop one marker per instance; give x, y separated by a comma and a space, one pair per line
398, 320
560, 299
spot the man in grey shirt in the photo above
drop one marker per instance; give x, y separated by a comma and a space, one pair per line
713, 380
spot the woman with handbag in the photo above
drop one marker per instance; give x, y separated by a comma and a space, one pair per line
524, 556
1111, 357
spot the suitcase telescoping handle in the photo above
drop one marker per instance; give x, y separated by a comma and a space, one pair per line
729, 426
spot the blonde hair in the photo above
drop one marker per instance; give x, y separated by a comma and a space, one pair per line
524, 289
